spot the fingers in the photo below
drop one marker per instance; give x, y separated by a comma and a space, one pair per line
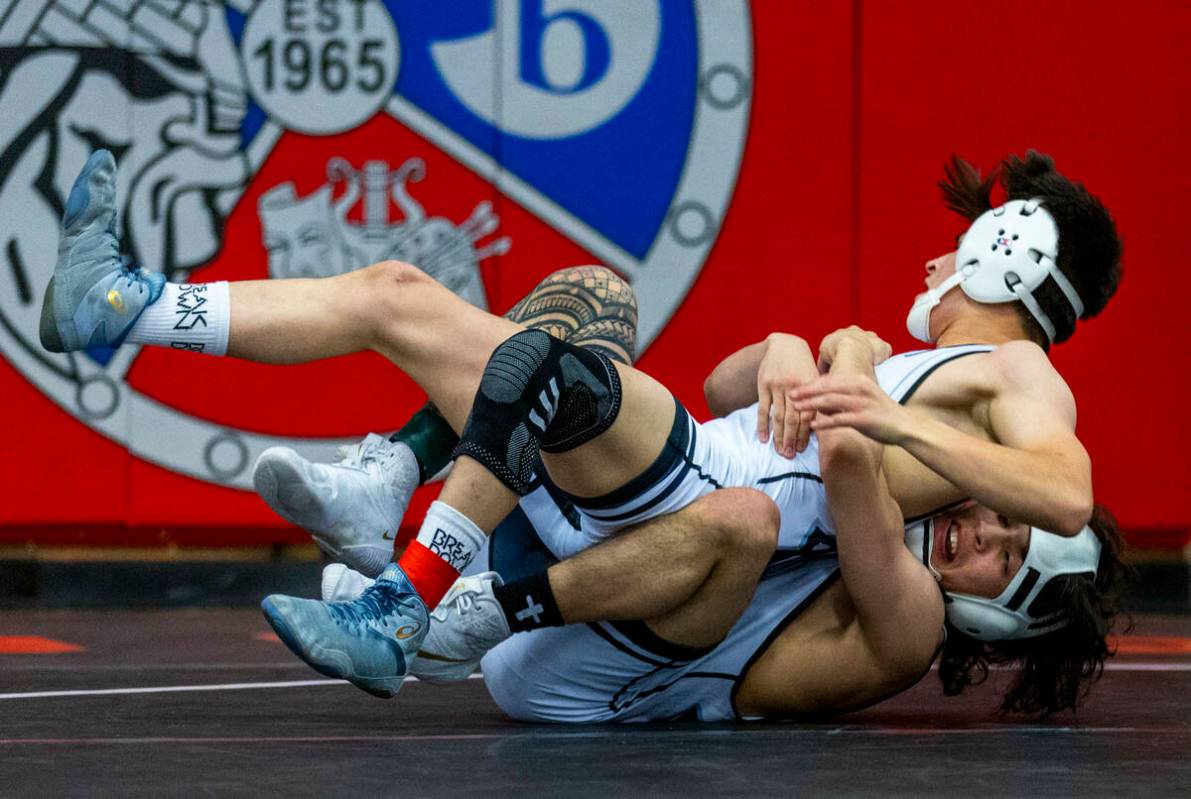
790, 431
780, 417
831, 421
819, 385
830, 403
854, 385
763, 402
806, 420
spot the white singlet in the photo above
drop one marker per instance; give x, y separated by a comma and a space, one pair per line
622, 672
725, 452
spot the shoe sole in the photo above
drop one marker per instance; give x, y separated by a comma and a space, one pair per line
47, 328
280, 469
266, 483
442, 672
377, 687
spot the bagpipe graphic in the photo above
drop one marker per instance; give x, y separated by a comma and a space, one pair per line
488, 143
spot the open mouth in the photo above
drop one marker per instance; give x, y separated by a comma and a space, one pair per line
946, 540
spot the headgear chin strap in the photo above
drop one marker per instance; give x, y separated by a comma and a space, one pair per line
1016, 613
1007, 253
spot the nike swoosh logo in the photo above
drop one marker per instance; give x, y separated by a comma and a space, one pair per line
388, 535
422, 653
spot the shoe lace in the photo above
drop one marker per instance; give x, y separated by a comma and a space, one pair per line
131, 277
375, 605
479, 617
370, 450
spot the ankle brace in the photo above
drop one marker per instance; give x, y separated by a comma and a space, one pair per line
537, 393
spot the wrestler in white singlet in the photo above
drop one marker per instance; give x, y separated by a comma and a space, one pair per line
622, 672
725, 452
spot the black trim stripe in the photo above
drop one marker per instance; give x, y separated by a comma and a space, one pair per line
1023, 590
674, 462
676, 443
924, 516
614, 705
640, 635
790, 476
931, 370
678, 474
774, 633
602, 633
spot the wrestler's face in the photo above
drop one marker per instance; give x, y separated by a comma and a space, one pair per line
977, 551
937, 270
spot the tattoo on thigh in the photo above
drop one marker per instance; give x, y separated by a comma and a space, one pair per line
588, 306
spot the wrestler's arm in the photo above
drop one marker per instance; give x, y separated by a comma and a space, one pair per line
732, 384
764, 373
1038, 472
897, 603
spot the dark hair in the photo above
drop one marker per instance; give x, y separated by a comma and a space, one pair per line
1089, 247
1056, 670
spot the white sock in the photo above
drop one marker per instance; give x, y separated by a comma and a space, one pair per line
187, 316
452, 536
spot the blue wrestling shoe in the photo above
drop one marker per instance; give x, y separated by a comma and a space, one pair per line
370, 642
93, 299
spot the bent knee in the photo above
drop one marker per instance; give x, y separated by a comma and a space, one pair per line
524, 680
385, 274
744, 517
386, 284
392, 290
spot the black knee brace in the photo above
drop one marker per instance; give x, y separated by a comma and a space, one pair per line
537, 393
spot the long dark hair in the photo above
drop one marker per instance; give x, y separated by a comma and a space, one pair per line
1089, 247
1055, 671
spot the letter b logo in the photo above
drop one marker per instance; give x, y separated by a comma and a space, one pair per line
566, 66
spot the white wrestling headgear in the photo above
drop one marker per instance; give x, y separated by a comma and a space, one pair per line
1015, 613
1007, 253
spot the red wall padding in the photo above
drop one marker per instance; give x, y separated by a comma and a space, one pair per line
855, 108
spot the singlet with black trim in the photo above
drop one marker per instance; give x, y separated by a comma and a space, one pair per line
795, 485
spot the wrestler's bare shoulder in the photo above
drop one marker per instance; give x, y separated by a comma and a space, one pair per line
1010, 367
1019, 375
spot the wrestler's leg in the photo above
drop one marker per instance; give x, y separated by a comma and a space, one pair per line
439, 340
371, 642
442, 342
588, 306
688, 575
353, 507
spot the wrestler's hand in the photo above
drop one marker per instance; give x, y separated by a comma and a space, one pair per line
852, 334
786, 364
855, 401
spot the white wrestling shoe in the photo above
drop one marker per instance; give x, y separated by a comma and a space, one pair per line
465, 625
353, 507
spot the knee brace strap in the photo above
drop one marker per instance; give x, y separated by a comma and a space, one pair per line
537, 393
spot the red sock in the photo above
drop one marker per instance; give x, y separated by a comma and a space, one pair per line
430, 575
445, 545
